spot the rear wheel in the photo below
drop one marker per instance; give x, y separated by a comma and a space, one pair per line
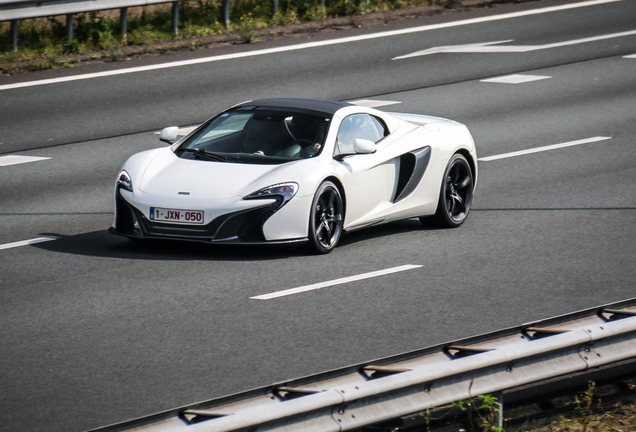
326, 218
456, 193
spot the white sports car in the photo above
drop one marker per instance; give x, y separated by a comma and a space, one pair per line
297, 170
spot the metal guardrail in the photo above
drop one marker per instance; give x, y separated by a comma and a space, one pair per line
14, 10
26, 9
366, 394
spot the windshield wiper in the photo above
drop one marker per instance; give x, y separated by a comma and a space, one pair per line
203, 154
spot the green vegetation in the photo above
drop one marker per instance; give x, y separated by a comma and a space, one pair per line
41, 41
593, 416
481, 414
486, 409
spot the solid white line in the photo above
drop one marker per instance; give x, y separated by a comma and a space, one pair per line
545, 148
15, 160
307, 45
340, 281
631, 56
26, 242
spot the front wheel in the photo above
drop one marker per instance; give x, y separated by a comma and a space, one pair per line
456, 193
326, 218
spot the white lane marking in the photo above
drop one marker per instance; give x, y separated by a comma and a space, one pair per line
15, 160
631, 56
545, 148
340, 281
26, 242
487, 47
308, 45
371, 103
515, 79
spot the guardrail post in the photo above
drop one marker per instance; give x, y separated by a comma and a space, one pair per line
69, 27
175, 18
226, 13
14, 34
500, 416
123, 20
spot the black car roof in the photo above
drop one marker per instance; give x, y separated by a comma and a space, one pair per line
320, 105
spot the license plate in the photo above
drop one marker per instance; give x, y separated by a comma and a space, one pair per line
175, 215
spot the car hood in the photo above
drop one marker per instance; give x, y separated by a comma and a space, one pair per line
168, 175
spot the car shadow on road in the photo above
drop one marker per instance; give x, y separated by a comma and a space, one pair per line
386, 230
103, 244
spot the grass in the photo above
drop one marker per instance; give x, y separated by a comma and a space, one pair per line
585, 412
619, 418
42, 41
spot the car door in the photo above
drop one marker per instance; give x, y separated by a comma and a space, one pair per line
371, 179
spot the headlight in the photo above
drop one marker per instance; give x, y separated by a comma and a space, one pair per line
284, 190
124, 181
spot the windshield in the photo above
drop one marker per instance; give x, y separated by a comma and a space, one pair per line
258, 135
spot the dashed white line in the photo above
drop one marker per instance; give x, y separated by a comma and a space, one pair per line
631, 56
25, 242
515, 79
372, 103
15, 160
335, 282
308, 45
542, 149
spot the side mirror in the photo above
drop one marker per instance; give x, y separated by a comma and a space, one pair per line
169, 134
364, 146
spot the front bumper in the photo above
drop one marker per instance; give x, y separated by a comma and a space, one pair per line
243, 226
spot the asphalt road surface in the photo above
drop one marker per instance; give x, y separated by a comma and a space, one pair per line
96, 329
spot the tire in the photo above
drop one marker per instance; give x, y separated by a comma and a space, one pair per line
456, 193
325, 219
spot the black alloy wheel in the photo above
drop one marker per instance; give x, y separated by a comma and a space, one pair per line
326, 218
456, 194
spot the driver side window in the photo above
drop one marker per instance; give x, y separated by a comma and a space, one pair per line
363, 126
